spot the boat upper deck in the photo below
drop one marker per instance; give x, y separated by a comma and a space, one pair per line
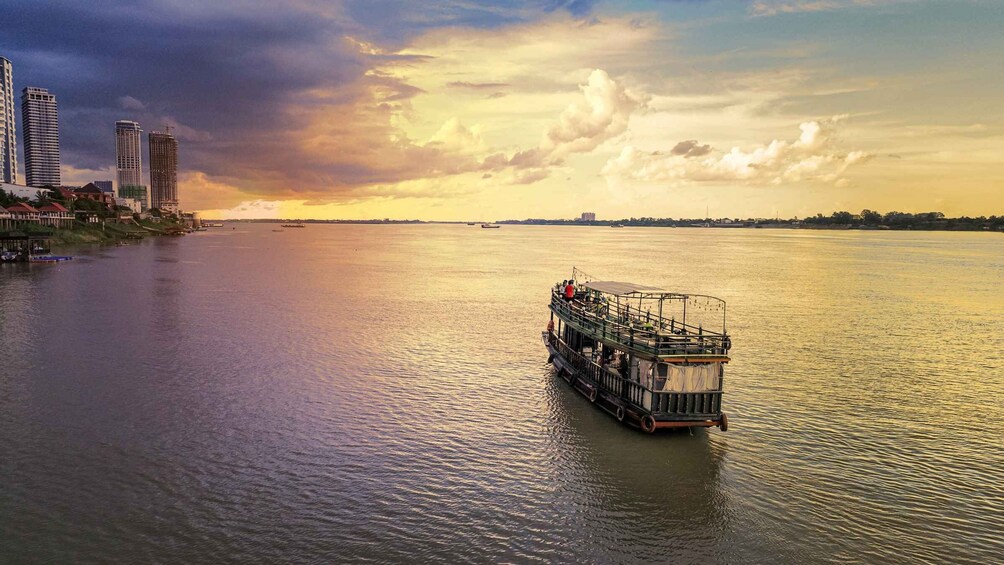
648, 321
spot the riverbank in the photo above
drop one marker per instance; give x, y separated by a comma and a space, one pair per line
107, 234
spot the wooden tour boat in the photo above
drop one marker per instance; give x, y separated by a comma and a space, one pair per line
486, 226
648, 357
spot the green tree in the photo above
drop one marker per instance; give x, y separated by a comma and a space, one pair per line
871, 217
842, 218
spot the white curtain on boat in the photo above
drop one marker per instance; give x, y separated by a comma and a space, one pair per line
702, 377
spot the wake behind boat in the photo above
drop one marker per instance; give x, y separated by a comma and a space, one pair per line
643, 354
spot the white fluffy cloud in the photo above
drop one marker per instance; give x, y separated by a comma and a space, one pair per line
454, 137
602, 113
810, 157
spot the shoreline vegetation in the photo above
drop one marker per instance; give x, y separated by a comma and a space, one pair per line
865, 220
109, 234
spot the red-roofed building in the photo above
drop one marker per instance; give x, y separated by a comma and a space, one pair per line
5, 221
23, 212
56, 215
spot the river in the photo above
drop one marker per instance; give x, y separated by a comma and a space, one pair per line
380, 393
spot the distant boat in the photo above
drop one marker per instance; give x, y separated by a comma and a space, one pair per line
280, 231
48, 259
293, 225
472, 223
490, 226
617, 225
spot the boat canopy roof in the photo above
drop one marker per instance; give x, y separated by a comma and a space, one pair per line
618, 288
644, 292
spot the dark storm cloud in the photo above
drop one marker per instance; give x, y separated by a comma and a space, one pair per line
239, 82
217, 73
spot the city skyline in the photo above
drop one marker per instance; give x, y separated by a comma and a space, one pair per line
532, 109
40, 130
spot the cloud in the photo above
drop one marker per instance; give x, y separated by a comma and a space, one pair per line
74, 176
690, 148
600, 114
130, 103
454, 137
531, 176
775, 7
810, 157
197, 191
476, 85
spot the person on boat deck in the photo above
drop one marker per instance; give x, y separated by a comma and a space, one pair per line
570, 291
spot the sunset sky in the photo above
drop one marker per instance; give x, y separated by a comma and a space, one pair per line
476, 110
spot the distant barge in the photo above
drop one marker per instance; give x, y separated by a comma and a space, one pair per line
640, 353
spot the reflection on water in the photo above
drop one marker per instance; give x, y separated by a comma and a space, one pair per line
380, 393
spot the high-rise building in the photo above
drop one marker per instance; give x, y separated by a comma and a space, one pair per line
164, 171
129, 161
8, 135
40, 126
588, 217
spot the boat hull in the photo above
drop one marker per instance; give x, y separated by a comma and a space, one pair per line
624, 411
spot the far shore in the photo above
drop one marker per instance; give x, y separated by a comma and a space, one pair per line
992, 224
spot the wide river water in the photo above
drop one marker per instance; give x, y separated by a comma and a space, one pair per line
380, 393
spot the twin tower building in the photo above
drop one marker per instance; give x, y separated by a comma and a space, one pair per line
40, 121
163, 166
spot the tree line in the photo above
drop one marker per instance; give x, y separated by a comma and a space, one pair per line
866, 219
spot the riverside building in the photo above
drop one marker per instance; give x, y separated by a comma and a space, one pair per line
129, 161
40, 124
8, 134
164, 172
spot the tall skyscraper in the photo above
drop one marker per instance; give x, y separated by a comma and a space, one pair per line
129, 160
40, 125
8, 135
164, 171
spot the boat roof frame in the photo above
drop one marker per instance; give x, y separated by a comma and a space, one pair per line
634, 290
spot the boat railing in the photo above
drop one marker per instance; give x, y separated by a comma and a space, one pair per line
681, 404
605, 378
655, 336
